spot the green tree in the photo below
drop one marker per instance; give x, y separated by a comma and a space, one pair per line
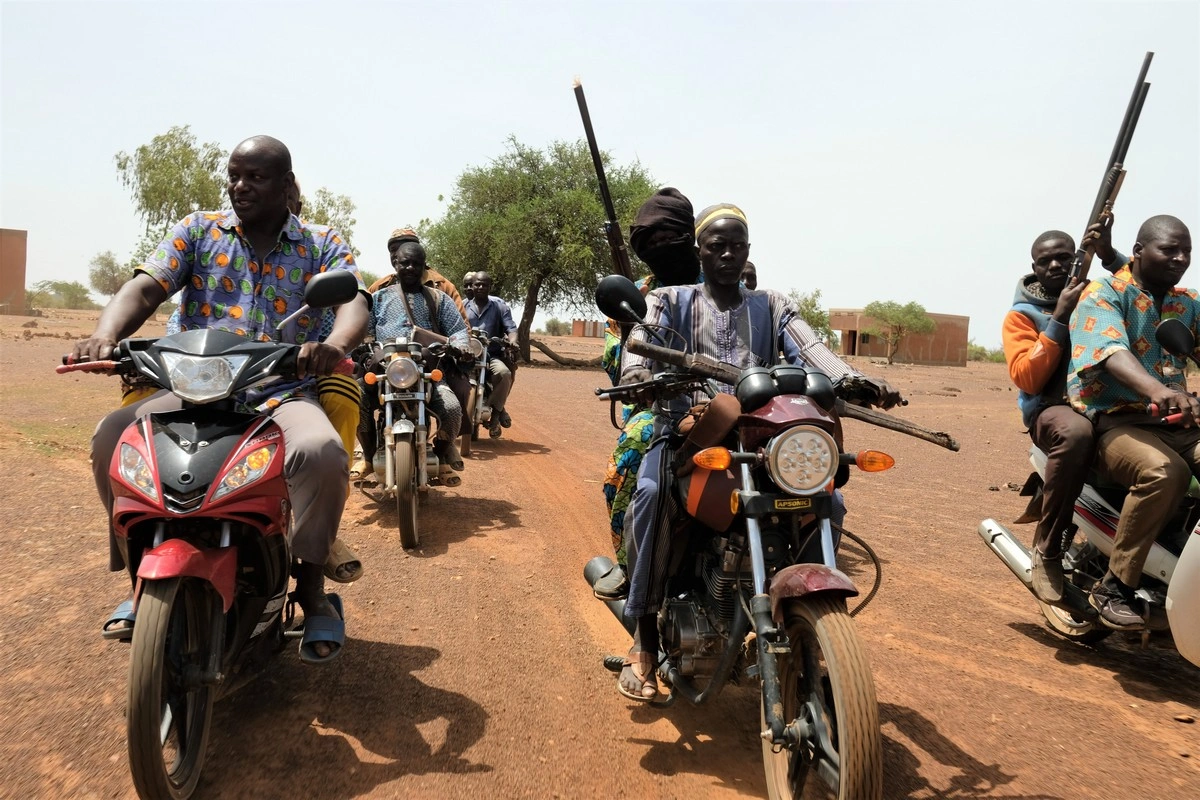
105, 274
533, 220
59, 294
173, 176
894, 321
334, 210
808, 306
556, 327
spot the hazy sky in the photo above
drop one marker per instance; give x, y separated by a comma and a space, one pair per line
881, 150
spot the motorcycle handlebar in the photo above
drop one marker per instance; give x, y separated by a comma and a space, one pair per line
715, 370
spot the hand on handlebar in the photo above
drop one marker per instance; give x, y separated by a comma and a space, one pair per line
318, 358
887, 395
94, 348
1176, 406
636, 375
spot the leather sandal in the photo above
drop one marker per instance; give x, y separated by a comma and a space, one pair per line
361, 470
649, 678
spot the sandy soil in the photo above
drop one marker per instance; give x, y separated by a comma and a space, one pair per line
473, 665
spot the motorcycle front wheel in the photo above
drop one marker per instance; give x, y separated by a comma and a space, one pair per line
825, 682
170, 707
406, 493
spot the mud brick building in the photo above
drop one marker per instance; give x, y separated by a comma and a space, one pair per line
946, 346
12, 271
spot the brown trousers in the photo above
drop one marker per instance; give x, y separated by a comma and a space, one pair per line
1069, 441
1156, 462
315, 467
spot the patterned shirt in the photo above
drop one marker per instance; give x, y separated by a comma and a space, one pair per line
224, 286
753, 333
1115, 314
389, 316
495, 318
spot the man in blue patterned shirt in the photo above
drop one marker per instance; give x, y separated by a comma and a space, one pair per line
243, 270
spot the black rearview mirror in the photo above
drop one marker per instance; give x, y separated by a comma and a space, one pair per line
620, 299
330, 289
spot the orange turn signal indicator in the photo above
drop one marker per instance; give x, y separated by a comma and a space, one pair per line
370, 379
874, 461
435, 375
714, 458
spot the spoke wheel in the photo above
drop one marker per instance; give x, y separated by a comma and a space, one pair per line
1065, 624
828, 691
406, 493
169, 708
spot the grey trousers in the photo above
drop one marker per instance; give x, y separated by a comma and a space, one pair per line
314, 465
502, 381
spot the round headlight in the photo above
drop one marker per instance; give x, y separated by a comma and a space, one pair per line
475, 347
403, 373
802, 460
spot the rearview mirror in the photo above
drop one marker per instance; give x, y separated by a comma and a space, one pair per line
331, 289
1176, 338
620, 299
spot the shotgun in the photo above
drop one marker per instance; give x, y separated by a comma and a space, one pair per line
612, 228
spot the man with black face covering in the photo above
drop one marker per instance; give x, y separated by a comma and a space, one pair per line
662, 237
719, 319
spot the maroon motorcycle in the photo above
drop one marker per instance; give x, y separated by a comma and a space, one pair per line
755, 589
201, 505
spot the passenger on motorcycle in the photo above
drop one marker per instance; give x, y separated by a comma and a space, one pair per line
493, 316
1037, 348
719, 319
467, 292
244, 270
750, 276
396, 308
663, 237
1118, 367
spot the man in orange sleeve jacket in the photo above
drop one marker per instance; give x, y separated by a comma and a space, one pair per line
1037, 349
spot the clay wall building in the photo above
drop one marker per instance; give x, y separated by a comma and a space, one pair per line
12, 271
946, 346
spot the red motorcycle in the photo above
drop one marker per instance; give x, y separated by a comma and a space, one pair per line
201, 503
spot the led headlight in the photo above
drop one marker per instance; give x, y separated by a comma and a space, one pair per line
403, 373
136, 471
246, 471
475, 347
202, 379
802, 460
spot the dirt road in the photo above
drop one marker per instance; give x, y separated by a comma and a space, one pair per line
473, 665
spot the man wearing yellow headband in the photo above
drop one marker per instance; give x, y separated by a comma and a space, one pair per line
719, 319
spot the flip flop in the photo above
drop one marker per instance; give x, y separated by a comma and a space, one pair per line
361, 470
343, 564
649, 691
120, 633
324, 629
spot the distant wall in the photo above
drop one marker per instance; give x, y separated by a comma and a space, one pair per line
946, 346
588, 328
12, 271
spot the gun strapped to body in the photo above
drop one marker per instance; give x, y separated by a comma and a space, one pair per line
1114, 174
612, 229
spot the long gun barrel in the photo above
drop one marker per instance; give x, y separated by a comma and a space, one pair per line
1114, 173
612, 228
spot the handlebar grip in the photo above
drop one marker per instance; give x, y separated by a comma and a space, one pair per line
344, 367
86, 366
667, 356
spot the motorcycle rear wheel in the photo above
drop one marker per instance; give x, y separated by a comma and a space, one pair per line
826, 680
169, 709
1067, 626
406, 493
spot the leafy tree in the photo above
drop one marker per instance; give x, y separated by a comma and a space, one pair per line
105, 274
533, 220
59, 294
977, 352
895, 321
808, 306
173, 176
334, 210
556, 327
368, 277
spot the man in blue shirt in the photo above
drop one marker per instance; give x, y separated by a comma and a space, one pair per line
492, 315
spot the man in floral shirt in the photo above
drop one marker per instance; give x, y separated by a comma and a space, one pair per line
1118, 370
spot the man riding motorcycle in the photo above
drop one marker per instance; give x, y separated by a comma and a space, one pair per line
493, 316
721, 320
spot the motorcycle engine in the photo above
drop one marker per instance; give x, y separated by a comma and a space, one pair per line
690, 638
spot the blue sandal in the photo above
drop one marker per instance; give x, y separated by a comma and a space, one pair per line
324, 629
121, 633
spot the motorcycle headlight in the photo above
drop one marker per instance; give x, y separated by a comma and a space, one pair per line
802, 460
475, 347
403, 373
136, 471
202, 379
246, 471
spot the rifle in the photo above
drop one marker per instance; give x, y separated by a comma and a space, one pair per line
612, 228
1114, 174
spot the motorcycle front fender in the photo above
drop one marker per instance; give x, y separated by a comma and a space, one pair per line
804, 580
1183, 601
403, 427
176, 558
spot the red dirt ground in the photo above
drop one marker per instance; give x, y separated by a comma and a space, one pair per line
472, 667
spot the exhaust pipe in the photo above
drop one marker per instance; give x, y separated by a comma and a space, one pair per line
593, 571
1006, 547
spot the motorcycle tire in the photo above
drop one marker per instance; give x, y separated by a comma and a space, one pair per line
1065, 624
407, 493
467, 436
172, 637
826, 680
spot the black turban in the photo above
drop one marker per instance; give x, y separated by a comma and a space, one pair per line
667, 211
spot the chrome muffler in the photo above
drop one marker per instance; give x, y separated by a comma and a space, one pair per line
1009, 550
